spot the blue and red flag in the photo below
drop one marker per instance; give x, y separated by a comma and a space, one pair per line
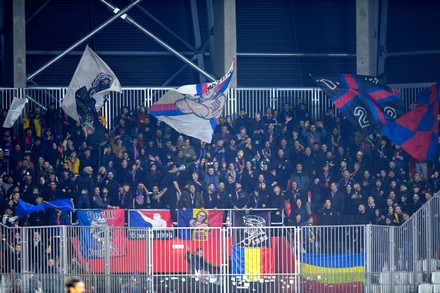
102, 233
365, 102
417, 131
194, 109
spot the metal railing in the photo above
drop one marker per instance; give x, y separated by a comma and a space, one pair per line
402, 257
253, 100
268, 259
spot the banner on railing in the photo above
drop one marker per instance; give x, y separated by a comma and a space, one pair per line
200, 220
344, 271
255, 232
252, 255
160, 220
252, 263
97, 237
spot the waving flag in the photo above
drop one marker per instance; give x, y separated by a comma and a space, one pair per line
103, 231
365, 102
194, 109
95, 77
417, 131
200, 222
14, 111
345, 272
24, 208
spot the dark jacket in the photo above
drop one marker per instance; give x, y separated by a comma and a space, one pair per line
328, 216
191, 201
239, 199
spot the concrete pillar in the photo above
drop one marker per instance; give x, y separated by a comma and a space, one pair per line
367, 22
225, 38
15, 44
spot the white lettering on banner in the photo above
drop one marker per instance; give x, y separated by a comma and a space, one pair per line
390, 111
361, 113
137, 234
372, 79
101, 252
103, 215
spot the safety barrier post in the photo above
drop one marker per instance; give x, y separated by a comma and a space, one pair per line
368, 257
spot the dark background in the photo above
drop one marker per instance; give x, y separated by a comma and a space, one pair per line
263, 26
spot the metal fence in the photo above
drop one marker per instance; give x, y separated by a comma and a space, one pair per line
403, 257
253, 100
255, 258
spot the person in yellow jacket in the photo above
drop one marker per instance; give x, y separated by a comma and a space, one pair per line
73, 162
32, 121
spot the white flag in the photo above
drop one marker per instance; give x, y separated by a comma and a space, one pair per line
96, 77
14, 111
194, 109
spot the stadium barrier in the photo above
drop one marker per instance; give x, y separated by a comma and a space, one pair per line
249, 255
253, 100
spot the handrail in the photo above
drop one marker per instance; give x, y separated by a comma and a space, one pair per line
408, 222
416, 213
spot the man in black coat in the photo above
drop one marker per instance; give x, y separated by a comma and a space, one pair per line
337, 198
112, 186
239, 199
85, 189
328, 215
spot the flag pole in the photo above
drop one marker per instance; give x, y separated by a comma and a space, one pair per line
372, 144
38, 104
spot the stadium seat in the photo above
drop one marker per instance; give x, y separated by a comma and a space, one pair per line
401, 289
375, 288
416, 277
385, 289
431, 262
401, 278
425, 288
435, 278
385, 278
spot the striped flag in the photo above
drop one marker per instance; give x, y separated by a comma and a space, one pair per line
194, 109
344, 271
252, 263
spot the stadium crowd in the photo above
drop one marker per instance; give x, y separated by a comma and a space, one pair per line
308, 172
279, 159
